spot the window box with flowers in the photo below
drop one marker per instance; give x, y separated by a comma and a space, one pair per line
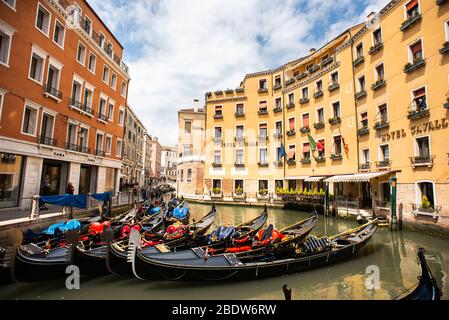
239, 89
445, 48
318, 94
334, 120
319, 125
218, 92
381, 124
263, 192
290, 81
229, 91
320, 158
290, 105
334, 86
301, 76
363, 131
378, 84
336, 156
417, 64
291, 132
304, 129
358, 61
303, 100
375, 48
360, 94
411, 21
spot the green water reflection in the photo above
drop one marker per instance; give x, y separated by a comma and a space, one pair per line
393, 253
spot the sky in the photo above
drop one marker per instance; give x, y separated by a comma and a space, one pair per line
178, 50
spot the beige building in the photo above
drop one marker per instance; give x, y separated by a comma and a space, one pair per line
133, 152
373, 101
156, 153
191, 147
169, 157
147, 160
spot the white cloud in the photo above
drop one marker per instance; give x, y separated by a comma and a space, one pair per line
189, 47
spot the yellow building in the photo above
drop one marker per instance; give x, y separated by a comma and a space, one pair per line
190, 162
373, 99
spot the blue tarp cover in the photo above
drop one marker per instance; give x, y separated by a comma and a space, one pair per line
69, 200
105, 196
154, 210
63, 226
180, 213
222, 232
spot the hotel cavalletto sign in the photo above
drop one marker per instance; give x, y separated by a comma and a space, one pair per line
422, 128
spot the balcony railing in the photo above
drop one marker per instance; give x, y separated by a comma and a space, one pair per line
334, 86
100, 153
358, 61
239, 90
336, 156
262, 139
326, 61
410, 21
378, 84
262, 112
291, 132
363, 131
218, 116
418, 113
72, 146
313, 68
318, 94
381, 124
277, 86
217, 140
218, 92
290, 81
383, 164
301, 76
262, 90
291, 162
304, 129
334, 120
303, 100
229, 91
277, 109
360, 94
48, 89
102, 117
419, 161
375, 48
279, 163
81, 107
277, 135
47, 141
319, 125
239, 164
263, 164
417, 64
239, 139
239, 114
216, 164
84, 149
290, 105
364, 166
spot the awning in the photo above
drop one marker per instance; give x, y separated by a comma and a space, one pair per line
357, 177
313, 179
296, 178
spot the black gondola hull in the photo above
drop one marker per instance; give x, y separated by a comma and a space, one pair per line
117, 262
91, 264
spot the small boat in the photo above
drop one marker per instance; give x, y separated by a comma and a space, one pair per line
118, 251
177, 211
426, 288
312, 253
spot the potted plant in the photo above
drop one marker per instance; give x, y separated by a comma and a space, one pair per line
263, 192
425, 205
238, 191
216, 190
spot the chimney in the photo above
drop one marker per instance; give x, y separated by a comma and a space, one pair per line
371, 15
312, 50
196, 105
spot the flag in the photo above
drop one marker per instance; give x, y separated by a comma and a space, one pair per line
315, 145
346, 145
282, 151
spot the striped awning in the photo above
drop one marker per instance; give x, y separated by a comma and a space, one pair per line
357, 177
313, 179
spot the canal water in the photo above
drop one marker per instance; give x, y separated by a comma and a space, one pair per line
394, 253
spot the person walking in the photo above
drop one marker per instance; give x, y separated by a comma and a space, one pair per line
70, 188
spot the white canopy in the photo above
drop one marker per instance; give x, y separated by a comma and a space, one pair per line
296, 178
313, 179
357, 177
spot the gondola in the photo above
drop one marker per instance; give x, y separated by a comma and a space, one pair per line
49, 259
91, 259
312, 253
117, 252
427, 288
173, 205
294, 233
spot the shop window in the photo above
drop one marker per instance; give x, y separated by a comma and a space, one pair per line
10, 179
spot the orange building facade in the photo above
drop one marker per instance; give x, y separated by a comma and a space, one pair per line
63, 92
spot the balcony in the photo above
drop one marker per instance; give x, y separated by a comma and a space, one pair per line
375, 48
320, 158
363, 131
84, 149
319, 125
301, 76
72, 146
262, 112
291, 132
47, 141
216, 165
279, 163
263, 164
381, 124
277, 86
303, 100
383, 164
336, 156
364, 166
290, 105
239, 140
229, 91
333, 87
290, 81
99, 153
217, 140
277, 135
291, 162
326, 61
52, 92
101, 117
445, 48
418, 113
81, 107
239, 114
218, 92
358, 61
318, 94
410, 21
360, 94
262, 139
262, 90
239, 90
304, 129
277, 109
418, 64
313, 68
218, 116
378, 84
334, 120
306, 161
422, 161
239, 165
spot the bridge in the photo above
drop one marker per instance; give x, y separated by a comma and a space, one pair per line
167, 183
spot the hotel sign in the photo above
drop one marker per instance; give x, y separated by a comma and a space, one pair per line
425, 127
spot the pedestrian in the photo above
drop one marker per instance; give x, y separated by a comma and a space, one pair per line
70, 188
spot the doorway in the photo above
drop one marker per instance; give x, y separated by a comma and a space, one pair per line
367, 202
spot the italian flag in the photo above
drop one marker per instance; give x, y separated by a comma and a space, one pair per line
314, 145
